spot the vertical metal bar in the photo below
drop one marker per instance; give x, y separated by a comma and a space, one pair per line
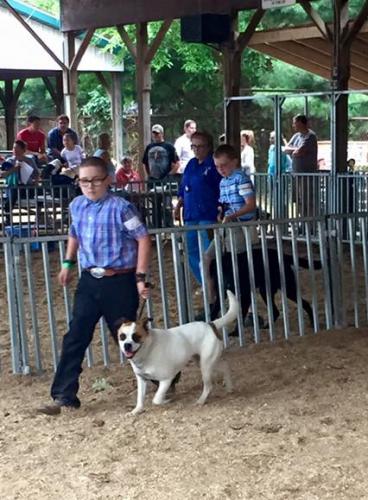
104, 342
353, 273
161, 275
325, 271
280, 256
21, 313
50, 308
252, 282
12, 307
89, 351
221, 286
312, 277
178, 273
341, 263
363, 232
204, 281
33, 307
187, 277
334, 274
266, 266
294, 247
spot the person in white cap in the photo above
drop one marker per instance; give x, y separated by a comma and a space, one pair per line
183, 145
160, 158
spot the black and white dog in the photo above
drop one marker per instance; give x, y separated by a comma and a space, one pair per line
160, 354
260, 279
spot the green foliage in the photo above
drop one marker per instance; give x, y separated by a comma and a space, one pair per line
187, 80
51, 6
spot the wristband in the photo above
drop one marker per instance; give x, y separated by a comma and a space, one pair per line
140, 277
68, 264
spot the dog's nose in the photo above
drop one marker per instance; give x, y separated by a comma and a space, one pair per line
128, 347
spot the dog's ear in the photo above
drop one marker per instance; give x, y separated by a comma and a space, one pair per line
115, 328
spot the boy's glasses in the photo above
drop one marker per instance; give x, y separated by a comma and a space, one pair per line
94, 182
198, 146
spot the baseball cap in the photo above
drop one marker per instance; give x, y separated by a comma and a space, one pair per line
158, 128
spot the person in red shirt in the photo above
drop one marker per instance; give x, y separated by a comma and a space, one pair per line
126, 175
34, 137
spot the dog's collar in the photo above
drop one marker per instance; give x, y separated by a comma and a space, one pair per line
215, 330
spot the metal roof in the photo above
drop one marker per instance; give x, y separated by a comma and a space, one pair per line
305, 48
22, 55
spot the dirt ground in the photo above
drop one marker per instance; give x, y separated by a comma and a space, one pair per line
295, 427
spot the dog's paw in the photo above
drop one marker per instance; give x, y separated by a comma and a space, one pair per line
200, 402
136, 411
160, 402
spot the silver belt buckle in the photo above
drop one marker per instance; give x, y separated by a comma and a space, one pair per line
97, 272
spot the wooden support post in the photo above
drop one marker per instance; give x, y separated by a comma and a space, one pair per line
70, 80
232, 74
9, 113
117, 116
11, 97
340, 81
143, 53
232, 57
143, 80
59, 104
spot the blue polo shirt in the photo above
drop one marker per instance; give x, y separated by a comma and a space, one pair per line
200, 191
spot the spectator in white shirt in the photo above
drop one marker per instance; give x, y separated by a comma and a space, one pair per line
247, 153
183, 145
72, 154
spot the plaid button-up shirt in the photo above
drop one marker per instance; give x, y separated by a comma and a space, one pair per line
107, 231
234, 191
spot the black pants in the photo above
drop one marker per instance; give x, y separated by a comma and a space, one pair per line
113, 298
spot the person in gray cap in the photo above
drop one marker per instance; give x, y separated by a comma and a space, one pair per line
160, 158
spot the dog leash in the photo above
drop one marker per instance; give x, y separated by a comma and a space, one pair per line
144, 302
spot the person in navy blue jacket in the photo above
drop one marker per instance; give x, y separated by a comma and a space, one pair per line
199, 195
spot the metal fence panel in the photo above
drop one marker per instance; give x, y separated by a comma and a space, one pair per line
38, 311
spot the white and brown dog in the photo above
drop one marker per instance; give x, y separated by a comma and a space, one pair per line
160, 354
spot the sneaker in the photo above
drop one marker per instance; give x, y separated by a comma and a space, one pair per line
55, 407
249, 321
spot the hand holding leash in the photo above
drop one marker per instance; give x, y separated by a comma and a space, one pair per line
144, 289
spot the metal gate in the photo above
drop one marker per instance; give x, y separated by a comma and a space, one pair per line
36, 311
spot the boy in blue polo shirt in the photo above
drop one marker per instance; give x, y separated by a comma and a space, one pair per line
237, 195
238, 203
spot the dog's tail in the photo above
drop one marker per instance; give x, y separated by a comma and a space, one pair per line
317, 264
231, 314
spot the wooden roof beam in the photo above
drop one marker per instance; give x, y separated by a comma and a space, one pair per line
357, 24
320, 24
306, 65
156, 42
34, 34
127, 40
82, 49
245, 37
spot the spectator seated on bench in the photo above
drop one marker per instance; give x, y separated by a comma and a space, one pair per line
18, 170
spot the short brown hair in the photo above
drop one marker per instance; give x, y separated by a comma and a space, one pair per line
226, 150
63, 117
94, 161
205, 136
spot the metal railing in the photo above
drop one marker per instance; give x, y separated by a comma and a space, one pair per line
320, 260
43, 209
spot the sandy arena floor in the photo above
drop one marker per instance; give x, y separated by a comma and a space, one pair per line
294, 428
